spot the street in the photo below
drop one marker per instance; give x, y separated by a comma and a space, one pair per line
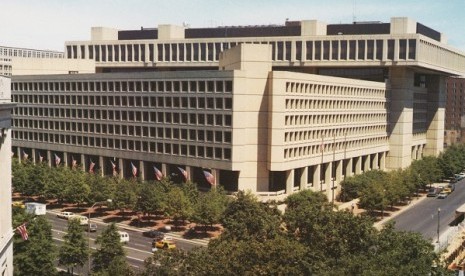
423, 217
137, 249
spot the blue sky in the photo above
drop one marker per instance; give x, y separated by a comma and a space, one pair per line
47, 24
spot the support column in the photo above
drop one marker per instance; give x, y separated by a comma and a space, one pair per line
375, 162
366, 164
317, 177
164, 170
358, 165
83, 162
339, 171
142, 170
328, 177
33, 157
382, 161
101, 165
303, 178
65, 157
435, 115
216, 175
121, 167
19, 154
290, 181
401, 117
190, 172
49, 158
348, 168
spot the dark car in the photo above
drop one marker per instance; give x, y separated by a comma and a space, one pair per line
92, 227
433, 192
154, 234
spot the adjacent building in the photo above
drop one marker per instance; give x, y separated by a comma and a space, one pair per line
455, 111
6, 232
271, 109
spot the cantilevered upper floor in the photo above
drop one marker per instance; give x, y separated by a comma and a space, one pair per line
298, 44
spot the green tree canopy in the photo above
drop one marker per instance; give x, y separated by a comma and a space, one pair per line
110, 250
74, 251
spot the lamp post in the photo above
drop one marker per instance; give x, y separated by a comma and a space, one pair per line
88, 229
439, 217
332, 191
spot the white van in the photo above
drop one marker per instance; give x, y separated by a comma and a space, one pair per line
123, 237
83, 220
35, 208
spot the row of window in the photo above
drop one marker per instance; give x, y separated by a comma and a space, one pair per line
18, 52
306, 151
312, 120
195, 102
321, 89
200, 151
198, 86
337, 49
200, 119
359, 104
316, 135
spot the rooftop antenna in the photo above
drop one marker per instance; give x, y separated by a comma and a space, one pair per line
354, 10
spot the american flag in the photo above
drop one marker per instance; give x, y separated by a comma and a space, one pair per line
158, 173
184, 172
57, 160
134, 170
210, 178
73, 162
41, 158
91, 166
23, 231
113, 167
25, 155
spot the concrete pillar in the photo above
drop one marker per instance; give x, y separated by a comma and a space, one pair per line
435, 115
83, 162
190, 172
121, 167
216, 175
401, 117
303, 178
142, 170
316, 177
65, 159
358, 165
33, 157
102, 166
328, 177
339, 171
348, 168
164, 170
366, 164
382, 161
49, 158
19, 154
375, 162
290, 181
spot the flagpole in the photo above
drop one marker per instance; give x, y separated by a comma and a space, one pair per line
322, 152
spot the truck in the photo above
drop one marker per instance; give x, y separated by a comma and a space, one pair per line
35, 208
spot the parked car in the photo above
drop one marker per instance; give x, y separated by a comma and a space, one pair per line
451, 187
433, 192
154, 234
447, 190
442, 195
65, 215
18, 204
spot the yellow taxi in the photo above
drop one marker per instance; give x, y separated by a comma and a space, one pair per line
163, 244
19, 204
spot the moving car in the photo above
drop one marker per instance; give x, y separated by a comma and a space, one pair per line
123, 237
65, 215
18, 204
163, 244
442, 195
154, 234
447, 190
83, 220
92, 227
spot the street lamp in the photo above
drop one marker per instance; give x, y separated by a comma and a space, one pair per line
88, 228
332, 190
439, 216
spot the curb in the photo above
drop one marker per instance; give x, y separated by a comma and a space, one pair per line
202, 242
380, 223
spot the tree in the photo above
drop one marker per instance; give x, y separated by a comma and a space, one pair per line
74, 251
150, 198
125, 196
110, 251
36, 255
101, 188
178, 206
246, 219
76, 189
210, 207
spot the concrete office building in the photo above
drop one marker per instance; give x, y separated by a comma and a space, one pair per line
455, 111
272, 109
6, 232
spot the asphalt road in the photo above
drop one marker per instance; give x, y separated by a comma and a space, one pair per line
423, 217
137, 249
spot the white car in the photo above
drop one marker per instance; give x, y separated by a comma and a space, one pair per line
65, 215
